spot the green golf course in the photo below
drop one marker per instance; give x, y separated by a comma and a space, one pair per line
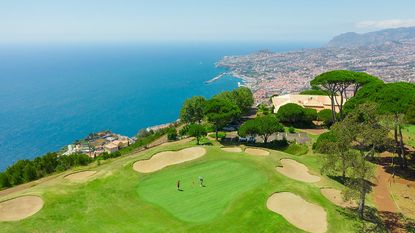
118, 199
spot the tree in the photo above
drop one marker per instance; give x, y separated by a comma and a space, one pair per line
244, 98
192, 110
263, 126
336, 147
172, 134
268, 125
357, 136
241, 96
197, 131
368, 133
410, 114
326, 117
248, 128
29, 173
4, 181
291, 113
393, 99
220, 112
295, 114
263, 110
337, 82
310, 115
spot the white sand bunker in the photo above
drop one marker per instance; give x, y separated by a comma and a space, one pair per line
167, 158
336, 197
80, 175
232, 149
19, 208
255, 151
297, 171
302, 214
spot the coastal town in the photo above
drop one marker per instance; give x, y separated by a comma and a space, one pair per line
268, 73
96, 144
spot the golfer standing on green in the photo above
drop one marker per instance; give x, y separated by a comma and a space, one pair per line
201, 181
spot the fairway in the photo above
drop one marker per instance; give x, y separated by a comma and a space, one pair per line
224, 181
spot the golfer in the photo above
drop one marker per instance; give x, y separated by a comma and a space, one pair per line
201, 181
178, 185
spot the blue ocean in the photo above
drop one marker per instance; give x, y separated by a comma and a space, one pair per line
51, 95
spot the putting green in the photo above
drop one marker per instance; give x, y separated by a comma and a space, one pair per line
224, 181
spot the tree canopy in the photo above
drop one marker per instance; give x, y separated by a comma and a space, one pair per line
295, 114
197, 131
241, 96
192, 109
337, 82
220, 112
263, 126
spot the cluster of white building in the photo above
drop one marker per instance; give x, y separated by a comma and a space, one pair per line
98, 143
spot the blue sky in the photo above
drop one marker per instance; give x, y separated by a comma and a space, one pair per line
196, 20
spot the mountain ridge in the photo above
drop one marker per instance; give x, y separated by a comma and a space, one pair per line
375, 38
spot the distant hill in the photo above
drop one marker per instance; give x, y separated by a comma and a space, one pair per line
377, 38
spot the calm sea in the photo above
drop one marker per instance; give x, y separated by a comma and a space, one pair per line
51, 95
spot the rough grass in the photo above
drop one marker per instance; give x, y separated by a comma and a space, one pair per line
110, 203
409, 135
296, 149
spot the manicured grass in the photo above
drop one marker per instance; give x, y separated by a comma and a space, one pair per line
224, 181
118, 199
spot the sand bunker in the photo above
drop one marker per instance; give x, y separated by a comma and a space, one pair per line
336, 197
20, 208
255, 151
302, 214
297, 171
80, 175
232, 149
167, 158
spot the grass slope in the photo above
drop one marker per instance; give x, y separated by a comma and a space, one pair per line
109, 202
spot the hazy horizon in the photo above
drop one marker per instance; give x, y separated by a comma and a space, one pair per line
47, 21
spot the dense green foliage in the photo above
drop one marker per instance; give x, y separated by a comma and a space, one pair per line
394, 100
322, 140
410, 114
192, 110
313, 92
241, 96
337, 82
263, 110
220, 112
325, 116
294, 114
197, 131
172, 134
263, 126
24, 171
27, 170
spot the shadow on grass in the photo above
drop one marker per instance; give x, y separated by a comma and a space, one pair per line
379, 221
387, 164
347, 180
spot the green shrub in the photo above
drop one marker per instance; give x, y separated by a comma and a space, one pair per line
172, 134
326, 117
322, 140
220, 135
291, 129
296, 149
